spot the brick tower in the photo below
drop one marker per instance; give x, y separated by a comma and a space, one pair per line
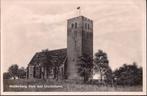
79, 41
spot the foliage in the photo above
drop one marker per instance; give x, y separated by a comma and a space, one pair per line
108, 75
85, 67
13, 70
56, 63
6, 75
101, 63
128, 75
21, 73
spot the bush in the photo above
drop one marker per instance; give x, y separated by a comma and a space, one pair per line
128, 75
6, 75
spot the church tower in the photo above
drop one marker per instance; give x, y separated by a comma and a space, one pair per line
79, 42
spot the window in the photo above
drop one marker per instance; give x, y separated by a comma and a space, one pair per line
72, 25
85, 25
75, 25
88, 26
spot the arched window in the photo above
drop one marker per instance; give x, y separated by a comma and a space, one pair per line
85, 25
75, 25
88, 26
72, 25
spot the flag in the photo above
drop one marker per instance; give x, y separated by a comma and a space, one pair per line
78, 7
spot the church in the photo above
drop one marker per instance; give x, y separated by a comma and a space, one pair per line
62, 63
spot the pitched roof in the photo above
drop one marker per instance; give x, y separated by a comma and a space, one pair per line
49, 57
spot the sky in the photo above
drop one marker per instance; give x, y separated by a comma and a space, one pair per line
29, 26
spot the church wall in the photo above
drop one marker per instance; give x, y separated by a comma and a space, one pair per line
87, 37
37, 71
74, 48
31, 72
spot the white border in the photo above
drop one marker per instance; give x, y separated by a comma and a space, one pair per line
85, 93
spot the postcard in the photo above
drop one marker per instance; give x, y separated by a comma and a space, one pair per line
73, 47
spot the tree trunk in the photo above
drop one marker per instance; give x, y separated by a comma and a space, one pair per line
57, 73
14, 77
100, 75
85, 77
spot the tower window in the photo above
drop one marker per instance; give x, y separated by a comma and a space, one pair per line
72, 25
75, 25
88, 26
85, 25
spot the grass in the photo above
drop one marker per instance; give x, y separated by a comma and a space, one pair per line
54, 86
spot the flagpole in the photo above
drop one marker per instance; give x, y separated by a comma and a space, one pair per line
79, 10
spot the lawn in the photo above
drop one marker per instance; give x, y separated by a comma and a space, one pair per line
53, 86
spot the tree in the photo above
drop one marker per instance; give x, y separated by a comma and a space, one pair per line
139, 75
128, 74
85, 67
108, 76
6, 75
56, 66
21, 73
13, 70
57, 62
101, 64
